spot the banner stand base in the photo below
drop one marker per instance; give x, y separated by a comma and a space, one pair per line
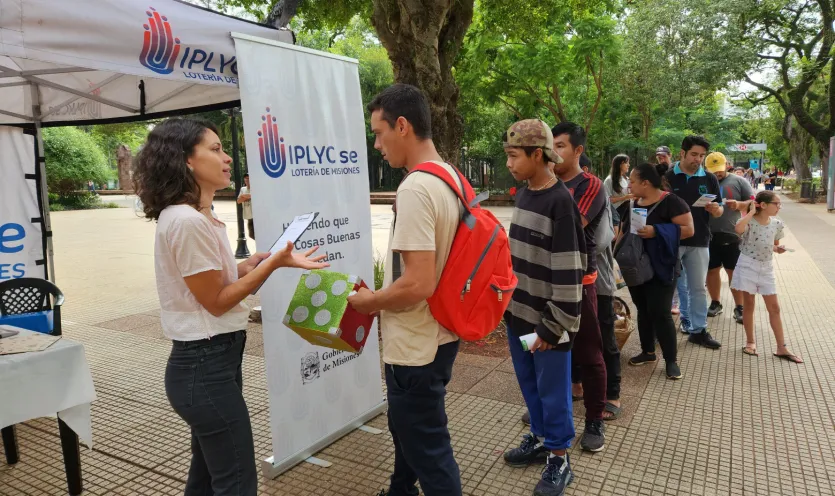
318, 462
272, 469
370, 430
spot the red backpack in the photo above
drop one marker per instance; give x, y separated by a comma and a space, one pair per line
477, 281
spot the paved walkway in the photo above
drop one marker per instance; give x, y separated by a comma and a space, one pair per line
735, 424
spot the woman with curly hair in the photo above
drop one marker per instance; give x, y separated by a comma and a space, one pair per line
201, 292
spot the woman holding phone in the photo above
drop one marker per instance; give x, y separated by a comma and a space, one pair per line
201, 291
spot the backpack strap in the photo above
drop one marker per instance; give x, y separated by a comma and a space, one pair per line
663, 195
467, 197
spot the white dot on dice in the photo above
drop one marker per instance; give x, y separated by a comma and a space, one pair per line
322, 318
300, 314
339, 287
319, 298
313, 281
360, 333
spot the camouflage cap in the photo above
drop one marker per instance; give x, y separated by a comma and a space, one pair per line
533, 132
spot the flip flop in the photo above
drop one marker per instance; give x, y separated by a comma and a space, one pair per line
576, 398
748, 351
614, 410
790, 357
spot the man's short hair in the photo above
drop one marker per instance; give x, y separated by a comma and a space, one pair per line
693, 140
407, 101
246, 175
576, 134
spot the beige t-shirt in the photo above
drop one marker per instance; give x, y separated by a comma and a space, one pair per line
428, 213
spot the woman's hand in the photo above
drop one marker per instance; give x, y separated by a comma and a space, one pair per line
647, 232
250, 263
286, 258
779, 249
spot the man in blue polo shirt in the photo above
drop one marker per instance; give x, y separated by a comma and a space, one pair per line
690, 181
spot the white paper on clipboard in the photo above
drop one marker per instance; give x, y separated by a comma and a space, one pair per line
293, 232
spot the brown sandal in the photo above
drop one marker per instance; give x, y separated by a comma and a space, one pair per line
750, 350
789, 357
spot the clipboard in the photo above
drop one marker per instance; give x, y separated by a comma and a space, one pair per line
293, 232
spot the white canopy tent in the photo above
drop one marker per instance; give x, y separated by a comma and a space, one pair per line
98, 61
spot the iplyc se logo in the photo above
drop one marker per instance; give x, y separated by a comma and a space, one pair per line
159, 48
271, 147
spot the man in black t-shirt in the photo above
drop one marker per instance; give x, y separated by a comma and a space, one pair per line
589, 194
689, 181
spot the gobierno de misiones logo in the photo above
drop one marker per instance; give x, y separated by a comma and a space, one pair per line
161, 53
303, 160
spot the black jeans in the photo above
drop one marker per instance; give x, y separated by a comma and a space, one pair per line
654, 301
418, 424
611, 353
204, 386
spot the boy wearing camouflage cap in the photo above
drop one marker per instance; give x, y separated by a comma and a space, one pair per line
549, 258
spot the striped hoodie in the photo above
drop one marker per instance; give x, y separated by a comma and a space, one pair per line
549, 256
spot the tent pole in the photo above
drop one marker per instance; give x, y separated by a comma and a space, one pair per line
242, 251
47, 223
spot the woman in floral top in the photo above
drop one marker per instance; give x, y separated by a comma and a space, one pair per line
754, 274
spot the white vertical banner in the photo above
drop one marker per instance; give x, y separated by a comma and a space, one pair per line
21, 240
305, 143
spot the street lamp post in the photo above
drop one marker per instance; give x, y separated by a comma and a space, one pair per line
242, 251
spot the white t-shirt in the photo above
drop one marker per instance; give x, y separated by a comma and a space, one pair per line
624, 189
758, 240
188, 243
247, 205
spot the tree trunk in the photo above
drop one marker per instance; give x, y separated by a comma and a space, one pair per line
800, 147
823, 151
423, 38
123, 161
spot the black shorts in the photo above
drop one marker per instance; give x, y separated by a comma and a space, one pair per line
723, 254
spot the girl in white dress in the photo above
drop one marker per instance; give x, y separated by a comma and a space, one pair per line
761, 233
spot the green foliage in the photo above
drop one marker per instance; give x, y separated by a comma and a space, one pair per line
110, 136
540, 59
72, 158
83, 200
318, 15
379, 271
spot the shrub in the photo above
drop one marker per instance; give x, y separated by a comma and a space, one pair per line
56, 207
379, 271
111, 205
72, 159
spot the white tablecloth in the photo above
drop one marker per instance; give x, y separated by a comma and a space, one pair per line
43, 383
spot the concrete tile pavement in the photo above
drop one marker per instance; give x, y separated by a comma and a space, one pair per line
735, 424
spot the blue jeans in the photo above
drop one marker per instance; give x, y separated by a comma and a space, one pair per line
545, 380
418, 425
692, 292
204, 386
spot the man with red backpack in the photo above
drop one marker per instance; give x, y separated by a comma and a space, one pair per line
549, 258
418, 352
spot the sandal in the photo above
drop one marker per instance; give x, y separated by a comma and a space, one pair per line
789, 357
748, 349
614, 410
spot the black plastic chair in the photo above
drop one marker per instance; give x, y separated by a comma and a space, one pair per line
31, 295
